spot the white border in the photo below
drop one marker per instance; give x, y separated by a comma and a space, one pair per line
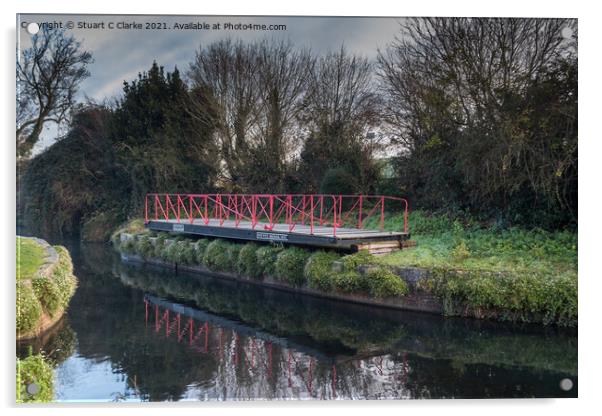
590, 212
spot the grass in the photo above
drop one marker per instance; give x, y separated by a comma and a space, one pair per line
34, 369
484, 271
444, 243
30, 257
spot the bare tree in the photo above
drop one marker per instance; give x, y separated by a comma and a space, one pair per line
254, 91
225, 72
467, 88
48, 75
282, 78
340, 108
342, 92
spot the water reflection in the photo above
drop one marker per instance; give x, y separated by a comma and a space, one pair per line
146, 334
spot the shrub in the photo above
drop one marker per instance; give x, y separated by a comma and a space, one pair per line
233, 254
266, 259
160, 246
47, 293
460, 251
525, 297
199, 248
144, 247
135, 226
289, 265
29, 309
188, 254
128, 246
63, 277
352, 261
169, 254
384, 283
247, 264
34, 369
318, 270
350, 281
217, 256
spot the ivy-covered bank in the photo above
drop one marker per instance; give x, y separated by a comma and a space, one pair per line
364, 278
43, 291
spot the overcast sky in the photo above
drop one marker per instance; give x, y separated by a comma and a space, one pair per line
120, 54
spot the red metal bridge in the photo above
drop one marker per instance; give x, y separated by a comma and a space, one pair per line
340, 221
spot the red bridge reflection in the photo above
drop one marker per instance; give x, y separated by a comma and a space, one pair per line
236, 346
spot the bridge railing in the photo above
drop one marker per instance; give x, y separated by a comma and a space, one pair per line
269, 210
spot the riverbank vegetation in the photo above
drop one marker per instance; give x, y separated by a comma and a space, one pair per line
43, 297
34, 369
497, 140
294, 266
475, 270
480, 269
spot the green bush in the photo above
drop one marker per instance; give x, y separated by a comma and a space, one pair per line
144, 247
188, 254
47, 292
128, 246
233, 254
29, 309
318, 270
199, 248
266, 259
171, 252
63, 277
247, 265
383, 283
290, 264
460, 252
217, 256
352, 261
160, 246
350, 281
34, 369
527, 297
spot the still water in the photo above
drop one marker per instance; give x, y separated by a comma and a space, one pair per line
135, 333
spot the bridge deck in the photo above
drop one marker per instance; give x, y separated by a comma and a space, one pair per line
320, 236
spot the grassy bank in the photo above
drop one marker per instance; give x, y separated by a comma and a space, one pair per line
44, 294
479, 270
475, 270
464, 244
30, 255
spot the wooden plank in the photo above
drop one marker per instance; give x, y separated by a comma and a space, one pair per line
379, 244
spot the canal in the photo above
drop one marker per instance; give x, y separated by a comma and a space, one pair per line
135, 333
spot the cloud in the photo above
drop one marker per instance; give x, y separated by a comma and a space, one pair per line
121, 54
